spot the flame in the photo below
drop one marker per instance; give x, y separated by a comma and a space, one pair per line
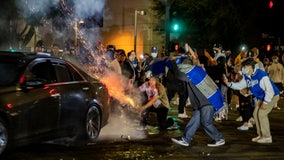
118, 88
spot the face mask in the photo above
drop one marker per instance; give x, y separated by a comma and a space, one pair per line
131, 58
244, 71
275, 60
154, 55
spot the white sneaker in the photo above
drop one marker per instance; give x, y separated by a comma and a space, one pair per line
243, 128
180, 141
239, 119
141, 128
276, 107
255, 138
183, 115
264, 140
216, 143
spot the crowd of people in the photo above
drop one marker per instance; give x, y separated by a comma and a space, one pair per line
209, 83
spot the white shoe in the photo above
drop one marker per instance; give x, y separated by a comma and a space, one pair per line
243, 128
183, 115
276, 107
255, 138
216, 143
141, 128
239, 119
264, 140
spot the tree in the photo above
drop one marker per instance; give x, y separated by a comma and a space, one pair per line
207, 22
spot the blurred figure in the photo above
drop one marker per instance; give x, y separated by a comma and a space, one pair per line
127, 69
136, 65
144, 60
153, 66
113, 58
218, 63
276, 73
254, 53
40, 46
174, 85
266, 63
56, 52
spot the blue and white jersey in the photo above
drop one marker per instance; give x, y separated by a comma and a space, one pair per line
261, 85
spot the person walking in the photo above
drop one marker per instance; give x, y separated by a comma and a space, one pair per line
266, 92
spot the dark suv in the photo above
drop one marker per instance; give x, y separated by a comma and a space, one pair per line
45, 98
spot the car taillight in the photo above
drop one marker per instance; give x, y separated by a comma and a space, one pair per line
22, 79
9, 105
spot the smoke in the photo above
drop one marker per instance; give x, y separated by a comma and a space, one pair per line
80, 8
28, 8
91, 50
86, 8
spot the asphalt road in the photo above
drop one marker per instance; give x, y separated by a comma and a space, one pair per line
120, 140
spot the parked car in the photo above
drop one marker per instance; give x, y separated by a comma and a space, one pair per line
44, 98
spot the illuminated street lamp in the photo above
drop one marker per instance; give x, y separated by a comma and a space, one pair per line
141, 12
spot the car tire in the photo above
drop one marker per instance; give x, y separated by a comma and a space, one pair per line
90, 130
93, 124
3, 136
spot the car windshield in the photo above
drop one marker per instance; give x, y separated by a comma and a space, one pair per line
9, 73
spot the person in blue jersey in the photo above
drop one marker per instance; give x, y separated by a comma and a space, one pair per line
266, 92
205, 97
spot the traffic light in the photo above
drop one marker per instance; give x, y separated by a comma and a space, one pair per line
270, 4
268, 47
176, 26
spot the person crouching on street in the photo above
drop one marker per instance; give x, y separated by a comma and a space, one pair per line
157, 101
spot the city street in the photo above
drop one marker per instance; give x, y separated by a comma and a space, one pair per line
122, 141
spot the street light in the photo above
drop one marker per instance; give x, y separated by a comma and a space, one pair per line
141, 12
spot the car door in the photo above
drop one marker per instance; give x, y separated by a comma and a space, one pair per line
74, 95
38, 107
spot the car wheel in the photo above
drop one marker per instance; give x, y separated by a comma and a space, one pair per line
3, 136
93, 123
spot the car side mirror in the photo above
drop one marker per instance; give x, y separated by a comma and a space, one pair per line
34, 83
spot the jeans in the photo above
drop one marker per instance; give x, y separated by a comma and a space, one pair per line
204, 117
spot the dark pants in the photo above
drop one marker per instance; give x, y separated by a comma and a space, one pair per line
162, 113
246, 107
180, 88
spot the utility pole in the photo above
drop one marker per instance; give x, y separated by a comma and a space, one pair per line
167, 24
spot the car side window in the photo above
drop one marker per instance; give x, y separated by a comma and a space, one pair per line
75, 75
66, 73
62, 73
44, 71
